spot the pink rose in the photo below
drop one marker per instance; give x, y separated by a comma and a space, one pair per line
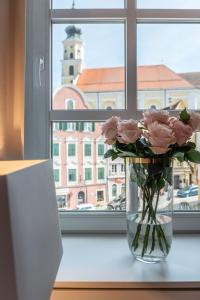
160, 137
194, 121
159, 116
182, 131
109, 130
128, 132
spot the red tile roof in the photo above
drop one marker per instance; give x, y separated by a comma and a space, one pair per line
153, 77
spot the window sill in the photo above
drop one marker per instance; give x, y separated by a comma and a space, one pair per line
104, 261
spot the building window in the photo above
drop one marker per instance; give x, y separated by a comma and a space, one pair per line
69, 104
100, 149
71, 150
88, 149
81, 197
56, 174
72, 175
71, 70
100, 196
114, 168
114, 190
122, 168
88, 173
88, 126
70, 126
123, 189
101, 173
55, 149
71, 55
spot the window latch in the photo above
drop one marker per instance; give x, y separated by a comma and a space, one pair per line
41, 68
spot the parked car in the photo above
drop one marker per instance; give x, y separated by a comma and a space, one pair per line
85, 206
188, 191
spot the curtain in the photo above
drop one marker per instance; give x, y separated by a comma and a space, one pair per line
12, 66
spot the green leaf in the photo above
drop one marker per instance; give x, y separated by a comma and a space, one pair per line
180, 156
191, 145
109, 153
161, 183
184, 116
193, 156
115, 156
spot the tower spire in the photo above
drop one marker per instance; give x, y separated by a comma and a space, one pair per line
73, 4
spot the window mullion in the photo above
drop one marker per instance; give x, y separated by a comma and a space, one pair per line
177, 15
131, 60
60, 15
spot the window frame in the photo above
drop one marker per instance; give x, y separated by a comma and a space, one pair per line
39, 116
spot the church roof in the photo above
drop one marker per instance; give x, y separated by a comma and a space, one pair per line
153, 77
193, 78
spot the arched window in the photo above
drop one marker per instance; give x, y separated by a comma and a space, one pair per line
71, 70
123, 189
114, 190
70, 105
71, 55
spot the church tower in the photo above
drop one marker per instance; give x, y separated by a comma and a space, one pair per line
72, 63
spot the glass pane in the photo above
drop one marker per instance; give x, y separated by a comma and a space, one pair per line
94, 183
187, 184
73, 4
86, 182
88, 66
176, 4
168, 66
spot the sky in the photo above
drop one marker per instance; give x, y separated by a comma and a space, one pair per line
184, 4
181, 4
175, 45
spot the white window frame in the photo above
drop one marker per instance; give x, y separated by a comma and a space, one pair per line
39, 116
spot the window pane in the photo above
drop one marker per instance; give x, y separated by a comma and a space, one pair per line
56, 175
168, 66
92, 182
55, 149
88, 66
86, 182
71, 150
88, 173
73, 4
162, 4
100, 149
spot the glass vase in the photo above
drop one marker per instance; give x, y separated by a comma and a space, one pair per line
149, 194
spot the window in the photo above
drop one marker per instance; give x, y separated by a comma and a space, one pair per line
88, 174
87, 149
101, 173
122, 168
72, 175
55, 149
114, 168
100, 196
69, 104
56, 174
70, 126
100, 149
71, 150
136, 39
89, 126
71, 70
114, 190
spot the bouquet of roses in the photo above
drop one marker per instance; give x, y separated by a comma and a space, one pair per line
156, 135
